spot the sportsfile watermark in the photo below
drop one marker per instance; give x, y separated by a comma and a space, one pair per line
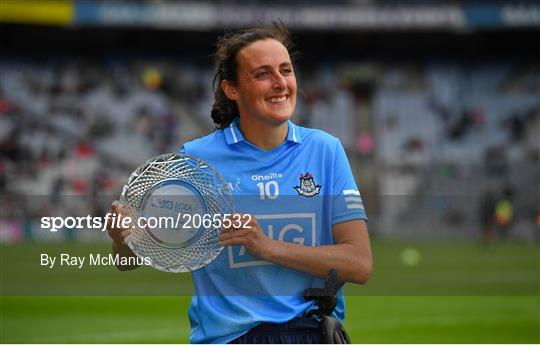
118, 221
423, 254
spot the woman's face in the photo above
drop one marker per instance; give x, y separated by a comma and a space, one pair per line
266, 88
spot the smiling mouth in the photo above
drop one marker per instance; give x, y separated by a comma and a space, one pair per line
278, 100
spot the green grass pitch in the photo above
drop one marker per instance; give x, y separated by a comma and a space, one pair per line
457, 292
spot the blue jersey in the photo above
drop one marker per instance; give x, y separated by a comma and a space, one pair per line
297, 191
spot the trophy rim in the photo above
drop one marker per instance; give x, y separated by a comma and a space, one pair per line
224, 193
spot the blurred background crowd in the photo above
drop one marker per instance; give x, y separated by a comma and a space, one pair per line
441, 124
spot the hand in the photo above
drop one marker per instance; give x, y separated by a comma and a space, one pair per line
248, 234
118, 234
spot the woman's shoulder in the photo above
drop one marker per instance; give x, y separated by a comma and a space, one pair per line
317, 136
207, 142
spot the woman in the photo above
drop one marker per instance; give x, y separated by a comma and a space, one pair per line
307, 214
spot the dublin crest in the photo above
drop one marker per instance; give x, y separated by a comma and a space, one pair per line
307, 186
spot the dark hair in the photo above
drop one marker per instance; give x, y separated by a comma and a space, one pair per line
225, 110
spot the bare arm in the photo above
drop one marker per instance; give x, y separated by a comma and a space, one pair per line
350, 254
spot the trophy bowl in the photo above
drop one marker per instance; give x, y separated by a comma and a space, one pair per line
174, 201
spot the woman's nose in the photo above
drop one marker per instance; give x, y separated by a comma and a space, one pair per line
279, 82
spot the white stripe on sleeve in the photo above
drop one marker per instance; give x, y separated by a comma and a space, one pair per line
350, 206
351, 192
353, 198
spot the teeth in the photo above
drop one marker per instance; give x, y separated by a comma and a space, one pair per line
278, 99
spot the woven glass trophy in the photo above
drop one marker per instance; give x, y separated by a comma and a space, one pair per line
174, 201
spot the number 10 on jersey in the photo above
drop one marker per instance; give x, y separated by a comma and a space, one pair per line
268, 190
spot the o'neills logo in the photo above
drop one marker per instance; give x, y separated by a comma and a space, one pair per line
307, 186
267, 177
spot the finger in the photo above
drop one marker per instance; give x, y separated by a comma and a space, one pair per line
249, 222
124, 233
234, 224
122, 211
234, 234
226, 228
232, 242
110, 225
117, 207
114, 226
241, 217
120, 237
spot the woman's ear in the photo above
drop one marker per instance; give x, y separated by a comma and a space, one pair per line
229, 90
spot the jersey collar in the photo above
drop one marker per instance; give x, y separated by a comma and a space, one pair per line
234, 136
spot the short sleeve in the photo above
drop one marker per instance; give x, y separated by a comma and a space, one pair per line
347, 203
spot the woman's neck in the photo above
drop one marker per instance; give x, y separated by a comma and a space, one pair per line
264, 136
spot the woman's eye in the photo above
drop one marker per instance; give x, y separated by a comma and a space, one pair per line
286, 71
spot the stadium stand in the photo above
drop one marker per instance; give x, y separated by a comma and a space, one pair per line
434, 126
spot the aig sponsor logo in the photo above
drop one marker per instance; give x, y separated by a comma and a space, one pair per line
288, 227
